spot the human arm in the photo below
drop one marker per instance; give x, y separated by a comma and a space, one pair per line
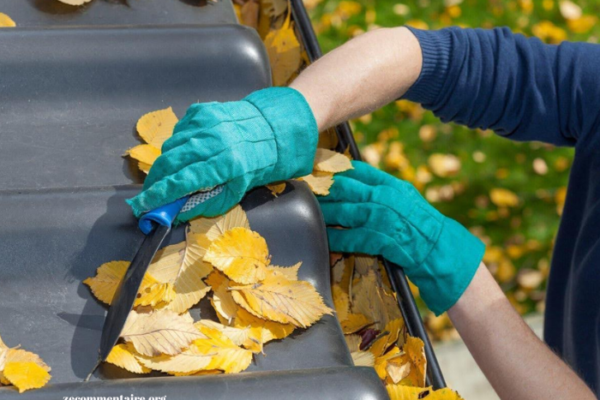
519, 87
371, 212
515, 361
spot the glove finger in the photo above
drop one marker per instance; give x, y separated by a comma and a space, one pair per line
358, 240
191, 179
345, 188
369, 175
355, 215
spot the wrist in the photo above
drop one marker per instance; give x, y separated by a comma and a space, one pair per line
450, 267
294, 130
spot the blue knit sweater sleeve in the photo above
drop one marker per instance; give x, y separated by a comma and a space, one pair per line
519, 87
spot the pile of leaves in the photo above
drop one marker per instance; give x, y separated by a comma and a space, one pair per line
374, 329
255, 302
22, 369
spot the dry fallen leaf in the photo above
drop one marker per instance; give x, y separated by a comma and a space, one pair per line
6, 21
23, 369
217, 226
276, 188
341, 302
261, 330
225, 355
393, 329
284, 52
145, 154
157, 126
161, 332
222, 300
363, 358
182, 267
281, 300
25, 375
414, 354
331, 161
397, 392
241, 254
319, 185
290, 273
354, 323
107, 279
369, 298
123, 356
188, 362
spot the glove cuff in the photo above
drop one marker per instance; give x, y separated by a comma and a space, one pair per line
449, 268
294, 128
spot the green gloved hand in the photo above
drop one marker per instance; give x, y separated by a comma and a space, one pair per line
269, 136
387, 216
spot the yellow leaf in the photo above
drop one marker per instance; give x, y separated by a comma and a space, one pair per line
145, 154
369, 298
241, 254
226, 355
107, 280
341, 302
275, 8
381, 362
276, 188
353, 342
444, 165
331, 161
163, 331
222, 301
363, 358
145, 168
503, 197
290, 273
284, 52
397, 372
319, 184
188, 362
182, 266
261, 331
414, 353
239, 336
215, 227
444, 394
157, 126
398, 392
6, 21
278, 299
20, 355
582, 24
26, 375
123, 357
354, 323
248, 13
364, 264
328, 139
75, 2
393, 329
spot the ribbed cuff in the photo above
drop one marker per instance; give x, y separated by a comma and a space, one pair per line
294, 126
436, 47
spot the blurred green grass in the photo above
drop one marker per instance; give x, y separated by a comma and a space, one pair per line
400, 138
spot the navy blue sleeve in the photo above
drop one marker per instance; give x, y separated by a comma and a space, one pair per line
521, 88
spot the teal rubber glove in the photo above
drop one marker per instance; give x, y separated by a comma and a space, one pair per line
269, 136
387, 216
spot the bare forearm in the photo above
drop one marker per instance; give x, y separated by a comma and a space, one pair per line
518, 365
361, 76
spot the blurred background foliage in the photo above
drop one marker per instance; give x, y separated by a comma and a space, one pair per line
509, 194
